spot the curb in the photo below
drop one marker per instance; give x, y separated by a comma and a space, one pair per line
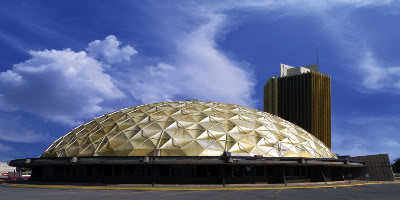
187, 188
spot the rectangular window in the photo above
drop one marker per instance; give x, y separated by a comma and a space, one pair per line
67, 171
237, 170
211, 171
73, 170
129, 170
108, 170
260, 171
118, 170
165, 170
201, 171
89, 170
141, 171
249, 170
81, 170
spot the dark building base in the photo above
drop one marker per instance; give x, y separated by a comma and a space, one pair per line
190, 170
378, 166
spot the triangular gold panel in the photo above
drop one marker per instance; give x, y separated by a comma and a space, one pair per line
189, 128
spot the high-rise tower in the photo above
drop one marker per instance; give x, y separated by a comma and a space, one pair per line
302, 96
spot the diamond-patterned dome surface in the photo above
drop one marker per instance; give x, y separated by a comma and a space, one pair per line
189, 128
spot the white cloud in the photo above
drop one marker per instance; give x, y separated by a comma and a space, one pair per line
356, 135
69, 86
156, 84
376, 76
110, 51
61, 85
374, 73
199, 70
370, 73
10, 77
289, 5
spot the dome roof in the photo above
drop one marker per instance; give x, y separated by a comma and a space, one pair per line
189, 128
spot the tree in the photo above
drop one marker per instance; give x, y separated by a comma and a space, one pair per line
396, 166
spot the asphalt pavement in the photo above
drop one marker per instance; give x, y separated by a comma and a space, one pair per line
380, 192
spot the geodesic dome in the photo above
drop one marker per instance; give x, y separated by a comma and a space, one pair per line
189, 128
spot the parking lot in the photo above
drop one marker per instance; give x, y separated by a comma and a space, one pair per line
382, 191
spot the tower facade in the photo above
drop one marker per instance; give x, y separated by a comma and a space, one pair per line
302, 96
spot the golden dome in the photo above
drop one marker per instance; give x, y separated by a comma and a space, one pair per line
189, 128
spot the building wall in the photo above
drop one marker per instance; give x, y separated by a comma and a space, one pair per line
304, 100
271, 96
186, 174
378, 167
6, 168
321, 107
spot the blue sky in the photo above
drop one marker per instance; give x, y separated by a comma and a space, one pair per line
64, 63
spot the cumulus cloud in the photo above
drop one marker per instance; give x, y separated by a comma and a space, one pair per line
199, 70
70, 86
62, 85
11, 77
110, 50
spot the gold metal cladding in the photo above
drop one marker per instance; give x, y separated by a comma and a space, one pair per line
304, 100
189, 128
